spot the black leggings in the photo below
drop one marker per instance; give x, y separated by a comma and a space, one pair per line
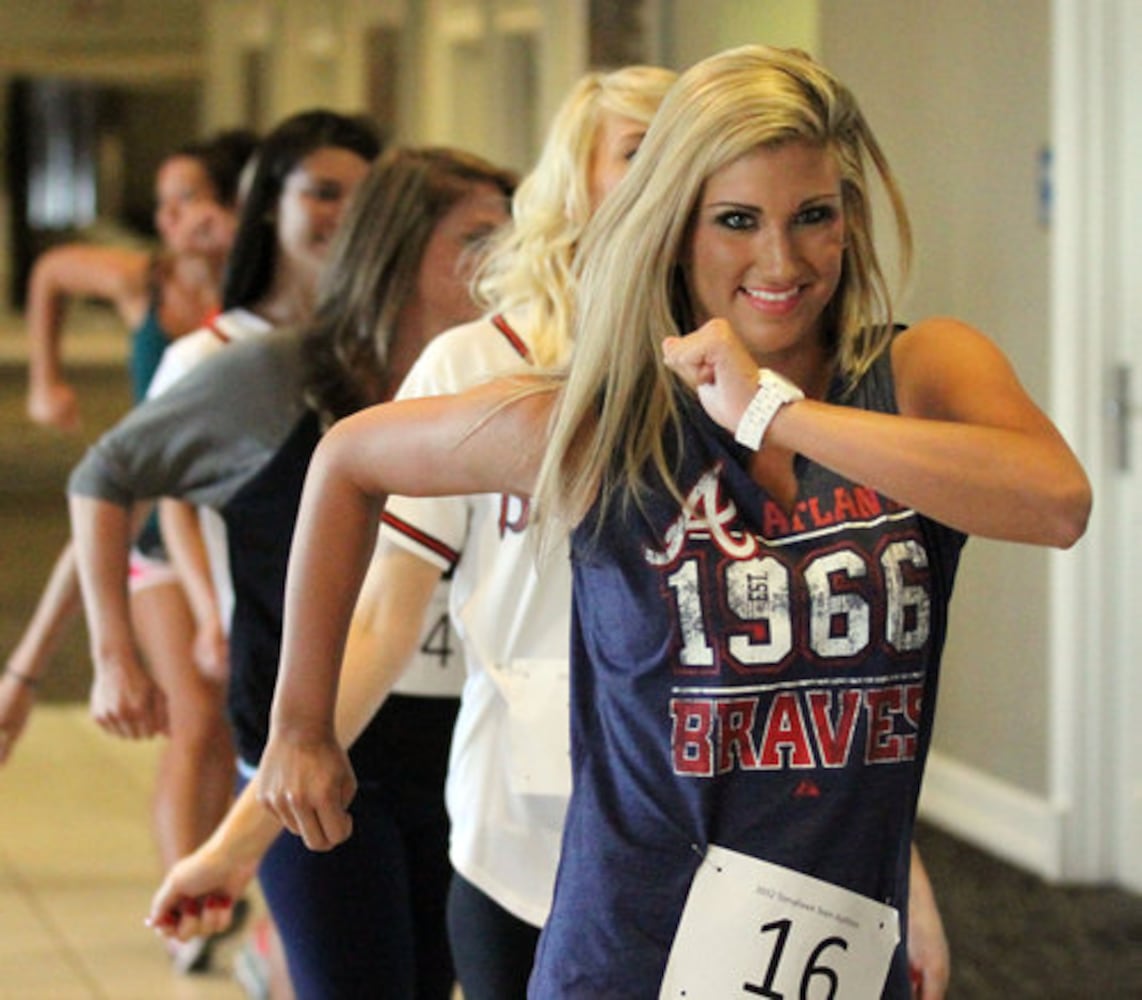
366, 916
493, 950
367, 919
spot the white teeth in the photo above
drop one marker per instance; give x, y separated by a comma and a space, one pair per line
766, 296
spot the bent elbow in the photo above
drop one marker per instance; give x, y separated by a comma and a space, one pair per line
1072, 514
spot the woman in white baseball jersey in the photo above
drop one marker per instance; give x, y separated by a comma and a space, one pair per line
509, 773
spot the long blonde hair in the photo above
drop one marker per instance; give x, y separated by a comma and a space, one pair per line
528, 265
618, 401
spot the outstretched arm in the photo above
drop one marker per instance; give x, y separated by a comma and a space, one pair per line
196, 896
191, 442
305, 775
484, 440
969, 448
112, 274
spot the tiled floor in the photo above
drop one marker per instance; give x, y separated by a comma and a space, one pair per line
77, 870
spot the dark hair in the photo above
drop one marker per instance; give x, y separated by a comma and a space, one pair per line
223, 156
253, 257
373, 268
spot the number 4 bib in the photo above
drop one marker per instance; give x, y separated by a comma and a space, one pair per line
755, 929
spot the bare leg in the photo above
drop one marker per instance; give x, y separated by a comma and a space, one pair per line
280, 986
195, 779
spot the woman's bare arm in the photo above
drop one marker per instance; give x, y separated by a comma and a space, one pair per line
112, 274
486, 440
125, 700
184, 543
969, 448
315, 780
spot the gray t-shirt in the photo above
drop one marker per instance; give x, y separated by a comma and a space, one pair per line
209, 434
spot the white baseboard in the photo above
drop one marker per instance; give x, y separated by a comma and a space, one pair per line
1129, 869
1008, 822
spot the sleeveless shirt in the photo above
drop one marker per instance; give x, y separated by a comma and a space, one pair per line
746, 676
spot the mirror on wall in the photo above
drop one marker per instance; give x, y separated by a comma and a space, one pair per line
81, 159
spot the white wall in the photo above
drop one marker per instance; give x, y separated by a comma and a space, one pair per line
698, 28
482, 74
958, 94
298, 54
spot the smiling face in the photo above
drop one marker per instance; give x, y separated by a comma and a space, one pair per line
617, 139
181, 185
766, 249
309, 210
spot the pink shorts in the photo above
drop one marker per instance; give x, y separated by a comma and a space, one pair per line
147, 572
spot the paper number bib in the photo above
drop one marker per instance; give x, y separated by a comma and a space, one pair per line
754, 929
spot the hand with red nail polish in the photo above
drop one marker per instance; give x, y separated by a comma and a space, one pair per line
200, 891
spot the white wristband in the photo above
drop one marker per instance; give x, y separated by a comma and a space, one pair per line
773, 392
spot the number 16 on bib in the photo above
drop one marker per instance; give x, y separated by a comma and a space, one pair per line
753, 929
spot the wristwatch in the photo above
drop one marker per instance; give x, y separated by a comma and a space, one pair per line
773, 392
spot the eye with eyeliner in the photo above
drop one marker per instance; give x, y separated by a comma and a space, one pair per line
737, 219
813, 215
742, 219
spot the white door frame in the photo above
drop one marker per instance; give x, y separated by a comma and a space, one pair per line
1096, 597
1123, 212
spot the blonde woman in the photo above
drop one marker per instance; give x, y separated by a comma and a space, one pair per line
591, 142
767, 488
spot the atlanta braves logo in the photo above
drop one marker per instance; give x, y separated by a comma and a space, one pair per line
705, 511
